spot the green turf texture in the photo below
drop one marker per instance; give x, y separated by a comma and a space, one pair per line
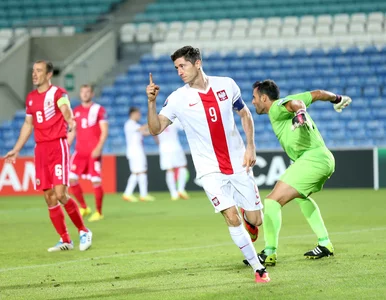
182, 250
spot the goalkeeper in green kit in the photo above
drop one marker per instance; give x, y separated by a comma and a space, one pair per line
313, 162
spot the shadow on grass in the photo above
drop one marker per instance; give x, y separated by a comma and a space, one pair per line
142, 291
51, 282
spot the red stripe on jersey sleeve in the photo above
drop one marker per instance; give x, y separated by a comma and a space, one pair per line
217, 132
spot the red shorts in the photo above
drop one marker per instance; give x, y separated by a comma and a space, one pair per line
86, 167
51, 164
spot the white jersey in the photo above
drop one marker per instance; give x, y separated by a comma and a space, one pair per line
207, 118
134, 144
169, 141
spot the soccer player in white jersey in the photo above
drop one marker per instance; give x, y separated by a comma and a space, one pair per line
135, 154
173, 159
204, 106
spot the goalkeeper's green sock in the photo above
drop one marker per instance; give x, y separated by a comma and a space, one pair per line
272, 225
311, 212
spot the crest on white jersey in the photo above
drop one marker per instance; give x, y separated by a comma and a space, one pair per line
222, 95
215, 201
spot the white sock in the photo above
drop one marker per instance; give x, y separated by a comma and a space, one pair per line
241, 238
131, 183
171, 183
142, 182
182, 173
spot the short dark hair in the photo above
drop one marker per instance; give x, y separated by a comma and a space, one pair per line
133, 109
188, 52
87, 86
267, 87
49, 65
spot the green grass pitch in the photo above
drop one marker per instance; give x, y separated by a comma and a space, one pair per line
182, 250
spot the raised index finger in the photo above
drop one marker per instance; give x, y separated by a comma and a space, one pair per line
151, 78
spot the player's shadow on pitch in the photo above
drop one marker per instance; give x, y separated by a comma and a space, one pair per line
191, 271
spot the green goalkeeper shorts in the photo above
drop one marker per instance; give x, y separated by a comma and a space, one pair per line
310, 171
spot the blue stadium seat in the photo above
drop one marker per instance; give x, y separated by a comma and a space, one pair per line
108, 91
371, 92
125, 90
353, 91
380, 113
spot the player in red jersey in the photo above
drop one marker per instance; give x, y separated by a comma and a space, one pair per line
91, 134
48, 111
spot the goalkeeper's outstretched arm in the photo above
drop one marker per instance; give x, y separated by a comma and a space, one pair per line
321, 95
339, 101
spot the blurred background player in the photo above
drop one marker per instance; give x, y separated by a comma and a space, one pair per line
313, 162
48, 111
135, 153
173, 160
91, 134
205, 106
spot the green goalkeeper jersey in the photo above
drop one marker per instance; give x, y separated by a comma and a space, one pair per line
296, 142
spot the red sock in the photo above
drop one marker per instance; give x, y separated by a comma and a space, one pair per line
76, 190
73, 212
57, 219
98, 191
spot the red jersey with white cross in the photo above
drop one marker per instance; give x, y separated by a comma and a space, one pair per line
88, 130
48, 120
208, 121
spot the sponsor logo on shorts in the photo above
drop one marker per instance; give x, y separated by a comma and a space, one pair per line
222, 95
37, 181
215, 201
257, 203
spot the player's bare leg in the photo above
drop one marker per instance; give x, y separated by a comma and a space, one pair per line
98, 191
182, 179
58, 220
241, 238
77, 191
73, 212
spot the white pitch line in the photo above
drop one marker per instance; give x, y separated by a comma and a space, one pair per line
173, 250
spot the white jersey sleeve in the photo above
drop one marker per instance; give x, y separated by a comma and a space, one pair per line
237, 101
236, 91
169, 108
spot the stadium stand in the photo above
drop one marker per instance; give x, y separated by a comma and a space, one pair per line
15, 13
339, 47
169, 10
48, 17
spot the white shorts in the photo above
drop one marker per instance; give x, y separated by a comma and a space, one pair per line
138, 163
225, 191
172, 159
